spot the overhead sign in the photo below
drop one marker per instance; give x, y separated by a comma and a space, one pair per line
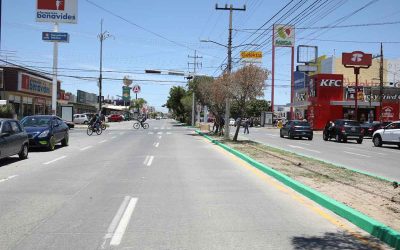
57, 11
251, 54
136, 89
126, 93
357, 58
284, 35
55, 37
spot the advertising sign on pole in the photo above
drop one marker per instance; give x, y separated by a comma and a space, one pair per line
61, 37
251, 56
57, 11
357, 58
284, 35
126, 93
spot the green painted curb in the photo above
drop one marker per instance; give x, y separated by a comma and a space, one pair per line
373, 227
328, 162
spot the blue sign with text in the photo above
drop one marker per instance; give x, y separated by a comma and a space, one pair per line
55, 37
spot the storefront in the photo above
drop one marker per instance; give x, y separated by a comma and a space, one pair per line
327, 99
28, 92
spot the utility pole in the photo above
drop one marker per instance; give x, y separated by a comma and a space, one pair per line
381, 84
229, 68
102, 36
195, 66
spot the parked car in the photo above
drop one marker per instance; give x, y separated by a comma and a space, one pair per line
343, 130
370, 127
115, 118
46, 131
158, 118
296, 128
231, 122
388, 135
13, 139
81, 119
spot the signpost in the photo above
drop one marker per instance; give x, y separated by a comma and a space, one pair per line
251, 56
356, 60
282, 36
60, 37
136, 89
56, 11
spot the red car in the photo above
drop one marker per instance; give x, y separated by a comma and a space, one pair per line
115, 118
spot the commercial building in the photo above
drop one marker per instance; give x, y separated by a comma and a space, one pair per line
27, 91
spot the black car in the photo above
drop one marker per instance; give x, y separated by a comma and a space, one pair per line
343, 130
370, 127
296, 128
46, 131
13, 139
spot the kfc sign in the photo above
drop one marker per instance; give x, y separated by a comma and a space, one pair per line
357, 58
57, 11
330, 83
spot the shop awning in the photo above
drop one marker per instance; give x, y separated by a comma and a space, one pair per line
359, 103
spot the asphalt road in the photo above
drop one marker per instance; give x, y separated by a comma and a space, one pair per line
381, 161
161, 188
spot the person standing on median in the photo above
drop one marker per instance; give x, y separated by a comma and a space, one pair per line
246, 126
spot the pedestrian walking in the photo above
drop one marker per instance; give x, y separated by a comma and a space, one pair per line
246, 126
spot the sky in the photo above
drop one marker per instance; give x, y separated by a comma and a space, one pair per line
162, 34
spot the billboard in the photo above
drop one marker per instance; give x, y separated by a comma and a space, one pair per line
357, 58
34, 85
283, 35
86, 98
57, 11
126, 93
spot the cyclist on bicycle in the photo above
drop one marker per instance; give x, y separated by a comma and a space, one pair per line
95, 121
142, 120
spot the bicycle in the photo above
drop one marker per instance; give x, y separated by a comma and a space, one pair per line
137, 125
103, 126
91, 129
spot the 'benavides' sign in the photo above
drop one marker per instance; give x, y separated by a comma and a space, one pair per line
57, 11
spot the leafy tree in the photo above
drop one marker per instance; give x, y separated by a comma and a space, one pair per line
174, 104
246, 85
138, 103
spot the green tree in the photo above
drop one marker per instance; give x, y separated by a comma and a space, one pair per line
174, 104
247, 84
137, 104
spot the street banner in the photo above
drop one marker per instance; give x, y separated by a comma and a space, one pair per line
284, 35
126, 93
57, 11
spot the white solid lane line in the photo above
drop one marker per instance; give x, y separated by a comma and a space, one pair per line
103, 141
156, 128
123, 223
351, 153
311, 150
303, 143
168, 133
366, 151
114, 222
86, 148
57, 159
8, 178
150, 161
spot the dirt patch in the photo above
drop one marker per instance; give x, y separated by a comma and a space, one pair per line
372, 196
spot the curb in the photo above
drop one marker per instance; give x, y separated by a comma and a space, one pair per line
373, 227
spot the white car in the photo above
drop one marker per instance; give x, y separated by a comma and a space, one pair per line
231, 122
81, 119
389, 135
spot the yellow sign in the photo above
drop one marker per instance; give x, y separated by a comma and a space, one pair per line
251, 54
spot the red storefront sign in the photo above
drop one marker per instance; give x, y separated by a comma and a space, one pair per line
357, 58
323, 89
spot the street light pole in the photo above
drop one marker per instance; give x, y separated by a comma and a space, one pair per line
102, 36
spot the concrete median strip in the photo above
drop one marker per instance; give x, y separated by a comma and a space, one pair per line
373, 227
